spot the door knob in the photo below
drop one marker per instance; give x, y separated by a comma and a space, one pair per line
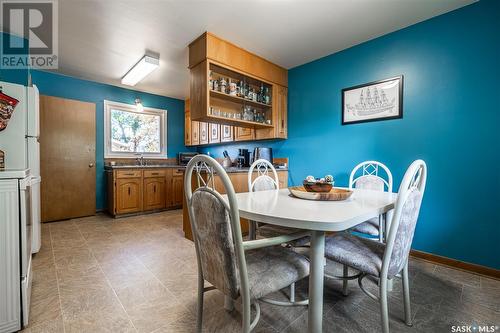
91, 165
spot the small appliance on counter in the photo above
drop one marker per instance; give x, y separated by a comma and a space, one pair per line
243, 159
263, 153
184, 158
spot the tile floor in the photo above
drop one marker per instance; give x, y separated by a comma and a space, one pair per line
138, 274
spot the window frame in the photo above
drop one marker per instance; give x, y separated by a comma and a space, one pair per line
108, 153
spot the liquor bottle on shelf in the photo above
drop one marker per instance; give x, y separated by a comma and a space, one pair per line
267, 98
241, 89
260, 96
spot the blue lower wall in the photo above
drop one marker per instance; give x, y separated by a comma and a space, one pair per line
88, 91
451, 120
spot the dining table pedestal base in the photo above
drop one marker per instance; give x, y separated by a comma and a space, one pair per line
317, 262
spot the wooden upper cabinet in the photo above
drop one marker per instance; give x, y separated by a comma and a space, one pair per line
203, 133
226, 134
198, 91
214, 133
195, 133
187, 124
241, 116
281, 115
209, 46
244, 134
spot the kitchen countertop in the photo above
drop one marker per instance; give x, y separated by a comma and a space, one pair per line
228, 170
150, 166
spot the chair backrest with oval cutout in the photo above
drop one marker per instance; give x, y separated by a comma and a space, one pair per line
371, 177
263, 181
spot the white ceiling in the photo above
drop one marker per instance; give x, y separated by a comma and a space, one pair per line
101, 40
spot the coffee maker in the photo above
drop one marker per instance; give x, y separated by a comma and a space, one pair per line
243, 158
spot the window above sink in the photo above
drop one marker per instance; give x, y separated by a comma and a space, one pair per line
130, 132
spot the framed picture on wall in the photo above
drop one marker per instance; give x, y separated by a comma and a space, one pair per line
379, 100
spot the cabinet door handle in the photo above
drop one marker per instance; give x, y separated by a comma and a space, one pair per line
155, 173
128, 174
128, 190
154, 188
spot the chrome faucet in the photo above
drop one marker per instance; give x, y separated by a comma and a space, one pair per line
140, 159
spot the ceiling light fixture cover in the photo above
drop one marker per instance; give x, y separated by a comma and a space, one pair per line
140, 70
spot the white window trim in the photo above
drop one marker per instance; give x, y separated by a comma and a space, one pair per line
108, 105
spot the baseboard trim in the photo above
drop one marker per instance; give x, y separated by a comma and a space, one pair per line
465, 266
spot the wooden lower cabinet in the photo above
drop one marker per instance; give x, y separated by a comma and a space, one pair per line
177, 190
132, 191
128, 195
154, 193
240, 184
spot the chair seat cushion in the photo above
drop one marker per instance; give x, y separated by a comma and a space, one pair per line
273, 268
269, 230
360, 253
369, 227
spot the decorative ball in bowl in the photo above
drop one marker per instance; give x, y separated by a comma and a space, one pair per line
312, 184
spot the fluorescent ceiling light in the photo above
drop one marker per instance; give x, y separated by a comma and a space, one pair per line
140, 70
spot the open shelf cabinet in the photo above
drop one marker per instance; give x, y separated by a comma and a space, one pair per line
259, 115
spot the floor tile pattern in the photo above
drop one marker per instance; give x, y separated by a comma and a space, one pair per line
138, 274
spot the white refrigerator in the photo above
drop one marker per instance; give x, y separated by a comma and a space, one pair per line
19, 143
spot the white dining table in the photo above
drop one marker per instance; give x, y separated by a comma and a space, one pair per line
278, 207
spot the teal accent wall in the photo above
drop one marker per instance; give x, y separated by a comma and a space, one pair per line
19, 76
451, 68
69, 87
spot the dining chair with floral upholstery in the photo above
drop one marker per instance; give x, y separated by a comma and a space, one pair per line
247, 270
379, 261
